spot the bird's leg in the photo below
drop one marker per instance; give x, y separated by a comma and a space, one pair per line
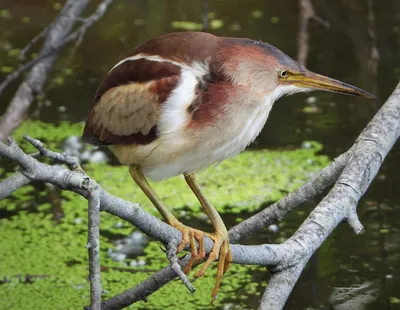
221, 249
189, 235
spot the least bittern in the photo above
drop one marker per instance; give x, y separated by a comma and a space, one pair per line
183, 101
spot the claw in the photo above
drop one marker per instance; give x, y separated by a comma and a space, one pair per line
221, 250
190, 236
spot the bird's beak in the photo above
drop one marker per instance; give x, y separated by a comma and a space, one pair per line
315, 81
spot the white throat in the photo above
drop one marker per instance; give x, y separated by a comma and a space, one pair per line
285, 90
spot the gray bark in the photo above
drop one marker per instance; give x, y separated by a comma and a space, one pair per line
340, 204
57, 35
351, 175
93, 246
37, 77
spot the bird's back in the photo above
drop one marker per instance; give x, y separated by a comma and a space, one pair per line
127, 103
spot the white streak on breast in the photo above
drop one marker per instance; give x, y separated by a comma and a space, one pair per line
177, 150
231, 135
212, 145
174, 110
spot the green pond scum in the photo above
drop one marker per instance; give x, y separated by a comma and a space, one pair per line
43, 262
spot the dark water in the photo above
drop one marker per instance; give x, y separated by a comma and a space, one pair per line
342, 51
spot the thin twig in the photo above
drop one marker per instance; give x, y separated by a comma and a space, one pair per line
79, 33
34, 81
11, 184
130, 270
275, 212
93, 246
171, 255
286, 260
72, 162
204, 15
25, 50
306, 13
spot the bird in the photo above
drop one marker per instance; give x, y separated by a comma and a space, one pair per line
184, 101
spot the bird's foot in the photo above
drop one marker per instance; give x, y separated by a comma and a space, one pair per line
222, 251
190, 236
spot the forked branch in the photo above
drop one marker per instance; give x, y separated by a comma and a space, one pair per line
351, 175
56, 36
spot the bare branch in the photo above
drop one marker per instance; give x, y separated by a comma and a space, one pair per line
288, 259
56, 38
280, 286
306, 13
139, 292
285, 260
11, 184
340, 204
93, 246
204, 16
171, 254
70, 161
130, 212
275, 212
25, 50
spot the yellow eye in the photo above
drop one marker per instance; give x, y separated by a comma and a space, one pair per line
283, 73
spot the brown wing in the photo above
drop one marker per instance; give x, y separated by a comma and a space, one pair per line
127, 103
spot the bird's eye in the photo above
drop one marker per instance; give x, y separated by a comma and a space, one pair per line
283, 73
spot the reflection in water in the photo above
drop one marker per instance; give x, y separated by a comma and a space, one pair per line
356, 297
361, 46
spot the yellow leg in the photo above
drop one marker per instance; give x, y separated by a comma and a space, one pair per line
221, 248
189, 235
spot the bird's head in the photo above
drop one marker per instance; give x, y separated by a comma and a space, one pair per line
269, 71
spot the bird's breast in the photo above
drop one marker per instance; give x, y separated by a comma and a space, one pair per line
241, 120
221, 124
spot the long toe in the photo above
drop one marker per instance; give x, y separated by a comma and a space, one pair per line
197, 254
221, 250
192, 237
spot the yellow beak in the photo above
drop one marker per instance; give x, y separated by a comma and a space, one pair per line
315, 81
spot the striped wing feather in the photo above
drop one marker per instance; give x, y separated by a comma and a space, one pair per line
127, 103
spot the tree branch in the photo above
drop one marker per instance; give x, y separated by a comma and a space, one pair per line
204, 15
175, 266
285, 260
132, 213
11, 184
275, 212
56, 38
340, 204
93, 246
306, 13
283, 280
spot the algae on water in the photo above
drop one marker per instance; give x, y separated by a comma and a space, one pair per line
43, 263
